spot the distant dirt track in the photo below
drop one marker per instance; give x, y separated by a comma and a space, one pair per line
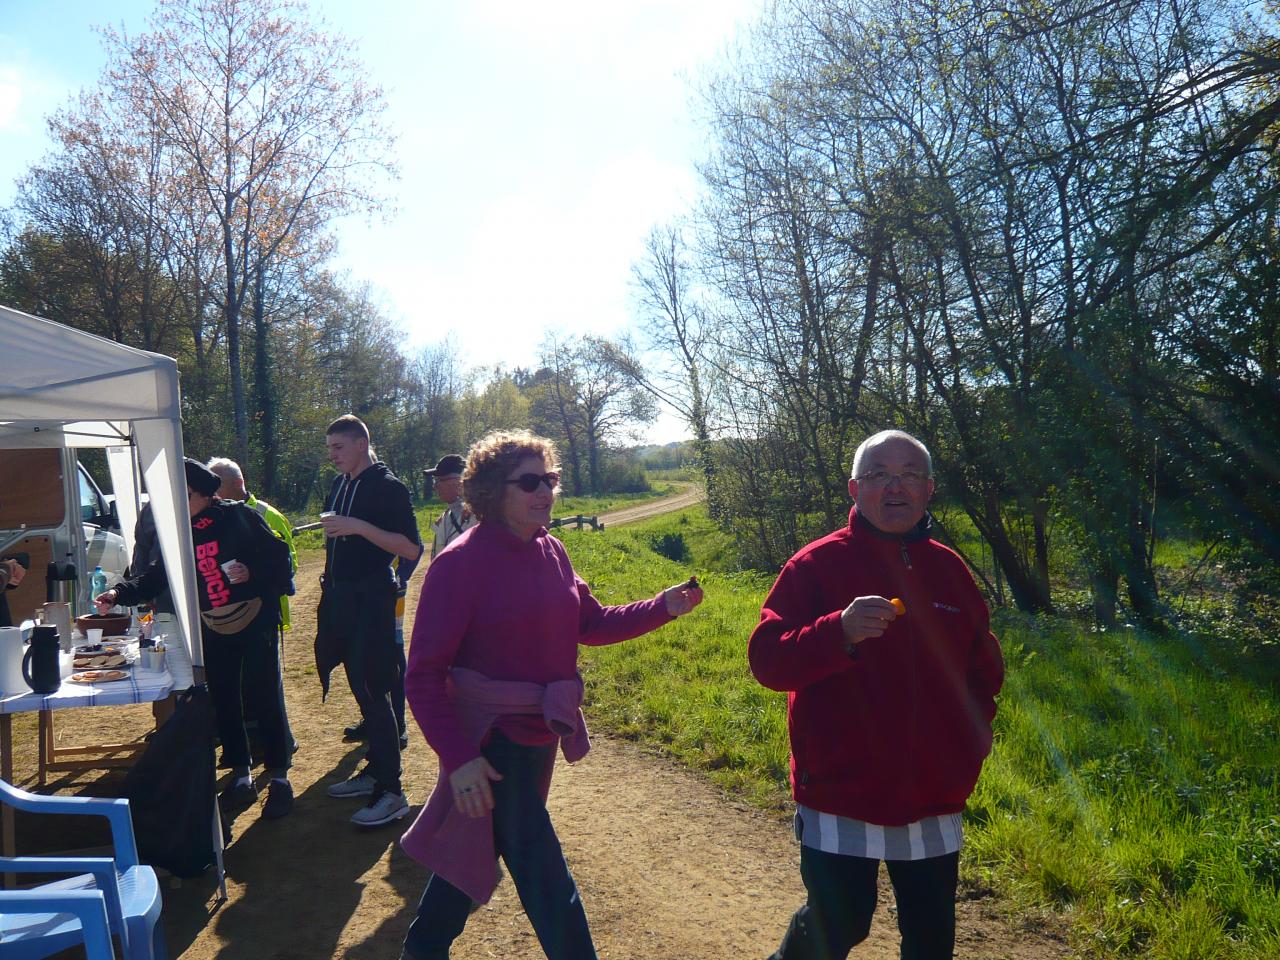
687, 497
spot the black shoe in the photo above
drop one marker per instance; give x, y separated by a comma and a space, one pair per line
238, 795
355, 732
404, 741
279, 800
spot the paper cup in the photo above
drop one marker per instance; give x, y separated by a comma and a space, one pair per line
94, 635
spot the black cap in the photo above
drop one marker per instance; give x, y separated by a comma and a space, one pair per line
201, 479
450, 465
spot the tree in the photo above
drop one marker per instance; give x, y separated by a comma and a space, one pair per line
675, 328
271, 124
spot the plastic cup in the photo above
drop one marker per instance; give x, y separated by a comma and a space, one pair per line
94, 634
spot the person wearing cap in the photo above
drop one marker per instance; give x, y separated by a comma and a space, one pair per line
234, 488
456, 518
242, 570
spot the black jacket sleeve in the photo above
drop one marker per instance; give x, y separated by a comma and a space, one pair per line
147, 585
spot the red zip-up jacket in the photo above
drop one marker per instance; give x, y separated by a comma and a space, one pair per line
898, 730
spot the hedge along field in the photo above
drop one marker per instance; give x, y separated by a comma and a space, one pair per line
1133, 786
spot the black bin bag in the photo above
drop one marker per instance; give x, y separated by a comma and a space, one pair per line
171, 789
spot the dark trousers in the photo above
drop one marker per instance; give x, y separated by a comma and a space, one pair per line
527, 843
249, 661
371, 662
842, 898
251, 721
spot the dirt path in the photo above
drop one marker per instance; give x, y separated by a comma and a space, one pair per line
690, 494
669, 867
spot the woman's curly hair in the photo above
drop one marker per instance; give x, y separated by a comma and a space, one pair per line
491, 459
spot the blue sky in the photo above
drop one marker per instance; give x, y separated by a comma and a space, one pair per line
538, 144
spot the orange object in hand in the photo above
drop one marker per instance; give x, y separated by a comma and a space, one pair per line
899, 606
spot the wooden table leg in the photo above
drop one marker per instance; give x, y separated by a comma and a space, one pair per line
8, 837
45, 735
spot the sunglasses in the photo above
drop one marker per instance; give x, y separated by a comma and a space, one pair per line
528, 482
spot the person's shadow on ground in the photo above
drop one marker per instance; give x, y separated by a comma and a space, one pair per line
276, 861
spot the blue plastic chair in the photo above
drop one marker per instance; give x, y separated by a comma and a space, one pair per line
84, 911
129, 889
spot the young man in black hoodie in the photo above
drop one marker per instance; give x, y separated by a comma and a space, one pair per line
368, 523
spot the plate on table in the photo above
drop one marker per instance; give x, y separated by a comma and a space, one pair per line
100, 661
98, 676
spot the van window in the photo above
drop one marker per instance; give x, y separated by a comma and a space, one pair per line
91, 503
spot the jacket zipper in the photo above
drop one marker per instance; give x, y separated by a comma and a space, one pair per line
911, 636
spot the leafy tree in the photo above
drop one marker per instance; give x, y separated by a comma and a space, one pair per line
271, 125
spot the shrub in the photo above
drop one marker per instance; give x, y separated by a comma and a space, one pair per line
671, 546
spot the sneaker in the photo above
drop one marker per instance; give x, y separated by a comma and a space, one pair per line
361, 785
354, 732
238, 795
279, 800
383, 807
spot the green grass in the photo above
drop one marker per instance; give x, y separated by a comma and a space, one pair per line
685, 687
1134, 784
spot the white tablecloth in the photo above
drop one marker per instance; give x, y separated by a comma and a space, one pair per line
141, 686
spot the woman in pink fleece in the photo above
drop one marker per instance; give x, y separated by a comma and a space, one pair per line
493, 683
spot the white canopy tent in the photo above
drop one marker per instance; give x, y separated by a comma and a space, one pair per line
62, 387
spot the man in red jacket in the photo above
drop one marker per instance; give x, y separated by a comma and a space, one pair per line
883, 644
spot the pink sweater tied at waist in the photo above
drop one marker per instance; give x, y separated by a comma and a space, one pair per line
444, 839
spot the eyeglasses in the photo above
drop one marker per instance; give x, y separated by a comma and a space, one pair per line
882, 478
528, 482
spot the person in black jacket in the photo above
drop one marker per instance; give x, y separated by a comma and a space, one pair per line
242, 570
368, 522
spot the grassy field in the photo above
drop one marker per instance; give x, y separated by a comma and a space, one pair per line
1134, 785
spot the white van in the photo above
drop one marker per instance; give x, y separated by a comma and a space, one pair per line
51, 509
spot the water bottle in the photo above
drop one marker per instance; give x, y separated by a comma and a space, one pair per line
99, 582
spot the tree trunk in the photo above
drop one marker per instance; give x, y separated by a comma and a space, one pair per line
231, 313
263, 386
